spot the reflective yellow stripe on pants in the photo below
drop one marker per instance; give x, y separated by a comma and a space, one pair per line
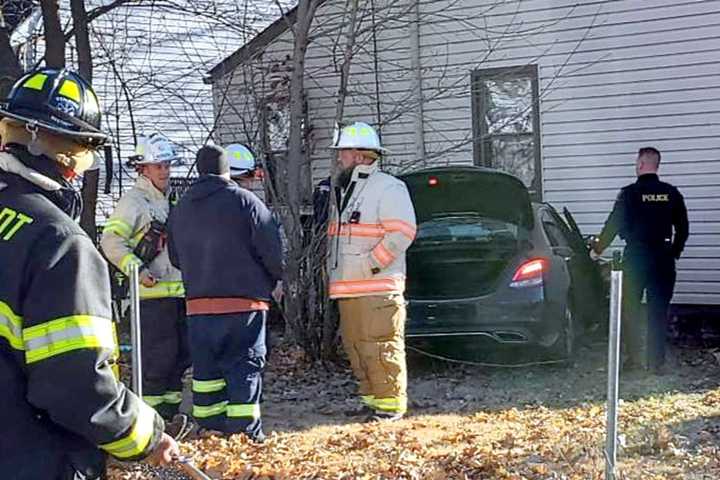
153, 400
208, 386
172, 397
243, 410
205, 411
393, 404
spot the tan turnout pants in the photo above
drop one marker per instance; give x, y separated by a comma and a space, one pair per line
373, 333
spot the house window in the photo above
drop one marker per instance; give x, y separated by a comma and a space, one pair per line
506, 129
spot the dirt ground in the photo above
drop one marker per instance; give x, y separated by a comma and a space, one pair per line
471, 422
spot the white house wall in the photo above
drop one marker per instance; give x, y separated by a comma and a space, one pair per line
615, 75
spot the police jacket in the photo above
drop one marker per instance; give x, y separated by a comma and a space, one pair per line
645, 214
125, 228
372, 224
61, 406
226, 242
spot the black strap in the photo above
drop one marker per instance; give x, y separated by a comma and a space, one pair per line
346, 198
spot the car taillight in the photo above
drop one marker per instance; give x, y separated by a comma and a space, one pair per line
530, 273
433, 181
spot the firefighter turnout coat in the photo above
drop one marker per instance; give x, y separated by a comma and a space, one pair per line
371, 226
61, 405
127, 225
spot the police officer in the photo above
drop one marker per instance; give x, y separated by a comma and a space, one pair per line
61, 409
651, 217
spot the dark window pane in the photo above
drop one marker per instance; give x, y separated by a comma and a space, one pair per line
508, 105
555, 235
514, 155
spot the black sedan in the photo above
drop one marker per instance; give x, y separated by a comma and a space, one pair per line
488, 262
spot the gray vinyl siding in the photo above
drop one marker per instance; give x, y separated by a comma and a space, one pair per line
163, 52
614, 75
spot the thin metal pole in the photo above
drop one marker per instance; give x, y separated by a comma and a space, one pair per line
193, 471
613, 372
135, 336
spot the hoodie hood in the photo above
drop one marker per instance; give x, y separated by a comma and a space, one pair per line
206, 186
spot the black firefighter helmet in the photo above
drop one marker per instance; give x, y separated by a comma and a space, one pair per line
60, 101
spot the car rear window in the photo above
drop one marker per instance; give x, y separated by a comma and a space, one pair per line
469, 228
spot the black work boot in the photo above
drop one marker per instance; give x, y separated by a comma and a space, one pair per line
179, 426
363, 411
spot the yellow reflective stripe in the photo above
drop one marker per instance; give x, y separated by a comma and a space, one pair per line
36, 82
11, 327
162, 290
391, 404
115, 360
119, 228
154, 400
208, 386
243, 410
127, 260
200, 411
136, 238
367, 399
66, 334
70, 90
172, 397
139, 437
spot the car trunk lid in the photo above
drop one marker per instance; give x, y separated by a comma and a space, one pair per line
471, 224
470, 190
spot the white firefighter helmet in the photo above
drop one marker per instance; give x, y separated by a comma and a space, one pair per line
154, 148
241, 159
359, 136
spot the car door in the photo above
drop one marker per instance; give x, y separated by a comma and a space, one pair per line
594, 268
578, 262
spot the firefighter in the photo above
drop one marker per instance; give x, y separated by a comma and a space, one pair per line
651, 217
135, 233
372, 223
62, 409
242, 165
227, 244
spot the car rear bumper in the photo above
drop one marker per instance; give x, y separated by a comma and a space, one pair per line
527, 319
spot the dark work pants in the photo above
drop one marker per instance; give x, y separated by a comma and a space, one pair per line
651, 273
165, 353
228, 353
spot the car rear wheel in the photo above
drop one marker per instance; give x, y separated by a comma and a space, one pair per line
564, 347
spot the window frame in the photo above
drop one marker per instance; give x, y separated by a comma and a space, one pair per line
480, 134
548, 220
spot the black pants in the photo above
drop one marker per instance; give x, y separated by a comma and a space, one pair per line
652, 274
228, 353
165, 353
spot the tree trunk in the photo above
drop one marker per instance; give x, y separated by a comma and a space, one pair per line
91, 178
9, 66
54, 38
295, 303
82, 38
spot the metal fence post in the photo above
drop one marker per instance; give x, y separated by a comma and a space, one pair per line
613, 369
135, 336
